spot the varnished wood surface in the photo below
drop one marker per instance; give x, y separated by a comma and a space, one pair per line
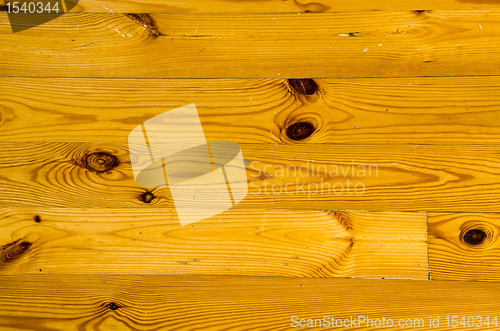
237, 242
118, 302
383, 44
388, 177
408, 88
446, 110
454, 256
285, 6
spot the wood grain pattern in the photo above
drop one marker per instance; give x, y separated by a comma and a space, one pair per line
303, 176
418, 110
395, 101
244, 242
453, 257
383, 44
285, 6
117, 302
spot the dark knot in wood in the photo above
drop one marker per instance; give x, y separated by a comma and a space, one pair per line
474, 236
305, 86
113, 306
100, 162
299, 130
147, 197
14, 250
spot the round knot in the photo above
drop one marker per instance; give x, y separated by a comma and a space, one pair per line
100, 162
147, 197
478, 234
474, 236
299, 130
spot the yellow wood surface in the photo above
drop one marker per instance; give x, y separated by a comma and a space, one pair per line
69, 302
297, 176
444, 110
408, 91
384, 44
275, 6
453, 258
243, 242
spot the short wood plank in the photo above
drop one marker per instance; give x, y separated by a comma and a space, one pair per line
243, 242
117, 302
464, 246
344, 45
302, 176
454, 110
286, 6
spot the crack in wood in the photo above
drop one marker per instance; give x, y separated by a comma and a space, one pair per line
147, 22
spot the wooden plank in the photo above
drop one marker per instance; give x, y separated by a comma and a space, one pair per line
457, 110
117, 302
221, 6
244, 242
302, 176
464, 246
383, 44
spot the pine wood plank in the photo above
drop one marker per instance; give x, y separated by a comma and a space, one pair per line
244, 242
456, 110
384, 44
221, 6
464, 246
303, 176
106, 302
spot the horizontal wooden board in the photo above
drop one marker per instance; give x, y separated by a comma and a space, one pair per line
366, 44
464, 246
286, 6
298, 176
117, 302
455, 110
244, 242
